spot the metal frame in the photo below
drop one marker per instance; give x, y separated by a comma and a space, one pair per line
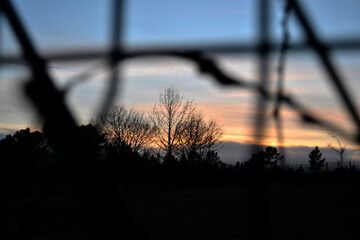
49, 101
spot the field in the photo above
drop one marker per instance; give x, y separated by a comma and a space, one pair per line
295, 210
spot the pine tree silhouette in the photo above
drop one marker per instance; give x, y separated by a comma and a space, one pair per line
316, 163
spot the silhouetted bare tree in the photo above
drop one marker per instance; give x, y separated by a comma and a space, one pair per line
213, 135
200, 136
127, 127
169, 116
341, 150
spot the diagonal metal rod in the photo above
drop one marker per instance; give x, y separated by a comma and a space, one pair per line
323, 54
41, 90
99, 205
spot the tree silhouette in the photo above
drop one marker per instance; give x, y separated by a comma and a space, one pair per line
169, 116
341, 150
316, 162
268, 158
200, 137
23, 143
23, 154
212, 158
126, 127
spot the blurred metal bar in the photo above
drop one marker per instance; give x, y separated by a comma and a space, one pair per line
323, 53
115, 54
263, 69
280, 80
87, 54
258, 203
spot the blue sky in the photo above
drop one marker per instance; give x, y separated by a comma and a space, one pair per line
66, 24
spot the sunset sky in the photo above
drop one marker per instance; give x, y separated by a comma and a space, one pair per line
77, 24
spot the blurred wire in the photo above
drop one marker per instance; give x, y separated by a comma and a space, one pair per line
82, 77
280, 81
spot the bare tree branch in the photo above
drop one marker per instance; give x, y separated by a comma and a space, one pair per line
340, 150
127, 127
200, 135
168, 117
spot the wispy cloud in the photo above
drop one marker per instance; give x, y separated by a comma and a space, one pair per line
234, 108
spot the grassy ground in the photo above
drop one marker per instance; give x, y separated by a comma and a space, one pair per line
295, 210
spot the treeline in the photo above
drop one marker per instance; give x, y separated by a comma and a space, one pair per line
27, 154
173, 140
173, 132
173, 135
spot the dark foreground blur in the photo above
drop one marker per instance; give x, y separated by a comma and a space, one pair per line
321, 207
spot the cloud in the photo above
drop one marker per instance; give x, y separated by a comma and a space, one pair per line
153, 67
233, 107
